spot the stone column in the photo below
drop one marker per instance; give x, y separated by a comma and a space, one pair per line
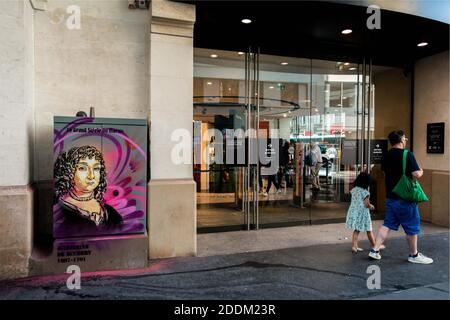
172, 213
16, 136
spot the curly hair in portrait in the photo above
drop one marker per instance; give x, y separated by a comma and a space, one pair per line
65, 166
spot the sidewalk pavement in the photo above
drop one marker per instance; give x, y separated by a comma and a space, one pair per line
320, 271
210, 244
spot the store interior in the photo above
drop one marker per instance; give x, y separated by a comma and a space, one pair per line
300, 102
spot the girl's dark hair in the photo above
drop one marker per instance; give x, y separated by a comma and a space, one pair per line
363, 180
65, 166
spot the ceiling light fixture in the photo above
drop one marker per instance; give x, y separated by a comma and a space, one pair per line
240, 53
346, 31
352, 68
284, 115
214, 56
422, 44
209, 83
246, 21
271, 87
284, 63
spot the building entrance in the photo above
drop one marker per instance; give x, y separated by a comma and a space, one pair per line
277, 110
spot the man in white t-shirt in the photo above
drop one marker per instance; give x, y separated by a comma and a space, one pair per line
316, 155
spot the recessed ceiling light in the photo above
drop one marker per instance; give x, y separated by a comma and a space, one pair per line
347, 64
422, 44
246, 21
346, 31
209, 83
316, 110
344, 97
214, 56
289, 111
271, 87
240, 53
284, 63
352, 68
284, 115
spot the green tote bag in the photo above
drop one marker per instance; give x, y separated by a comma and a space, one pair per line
408, 188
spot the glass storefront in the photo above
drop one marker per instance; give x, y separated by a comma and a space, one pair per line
287, 106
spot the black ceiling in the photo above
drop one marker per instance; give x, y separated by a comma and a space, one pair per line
312, 29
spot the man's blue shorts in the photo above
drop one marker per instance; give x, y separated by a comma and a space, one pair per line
404, 213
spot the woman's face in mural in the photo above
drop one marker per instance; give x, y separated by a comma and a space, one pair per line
87, 175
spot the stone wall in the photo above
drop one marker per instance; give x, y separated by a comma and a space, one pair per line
16, 92
431, 104
104, 65
16, 136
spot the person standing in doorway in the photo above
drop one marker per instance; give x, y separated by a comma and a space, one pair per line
400, 211
316, 156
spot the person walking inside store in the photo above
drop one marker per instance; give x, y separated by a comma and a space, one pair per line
316, 159
358, 215
284, 161
271, 176
400, 164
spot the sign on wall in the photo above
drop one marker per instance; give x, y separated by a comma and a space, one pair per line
100, 176
435, 137
378, 148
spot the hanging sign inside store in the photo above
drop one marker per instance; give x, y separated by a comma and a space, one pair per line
435, 137
378, 148
349, 151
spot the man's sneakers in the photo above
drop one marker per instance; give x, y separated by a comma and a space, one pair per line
375, 254
420, 258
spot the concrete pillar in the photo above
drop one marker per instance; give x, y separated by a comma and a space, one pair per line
16, 136
172, 214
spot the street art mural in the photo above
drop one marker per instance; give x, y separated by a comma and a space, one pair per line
100, 177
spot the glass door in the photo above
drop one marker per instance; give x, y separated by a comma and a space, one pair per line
224, 130
305, 105
283, 113
342, 127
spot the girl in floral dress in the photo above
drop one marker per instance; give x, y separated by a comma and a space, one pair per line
358, 215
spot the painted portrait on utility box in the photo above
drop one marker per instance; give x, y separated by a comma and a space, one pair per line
100, 176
